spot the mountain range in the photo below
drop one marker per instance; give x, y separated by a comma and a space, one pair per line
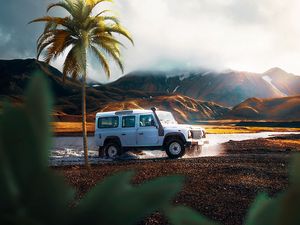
226, 88
193, 95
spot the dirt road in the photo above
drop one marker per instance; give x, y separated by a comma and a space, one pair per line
222, 188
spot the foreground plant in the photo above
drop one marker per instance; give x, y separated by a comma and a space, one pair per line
31, 194
81, 32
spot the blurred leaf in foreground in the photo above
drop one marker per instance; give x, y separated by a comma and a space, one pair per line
30, 193
284, 209
185, 216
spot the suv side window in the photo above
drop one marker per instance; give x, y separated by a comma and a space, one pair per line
108, 122
128, 121
147, 121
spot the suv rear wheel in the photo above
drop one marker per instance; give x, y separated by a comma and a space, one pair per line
175, 148
112, 150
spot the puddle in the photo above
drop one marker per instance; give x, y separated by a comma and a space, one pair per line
68, 150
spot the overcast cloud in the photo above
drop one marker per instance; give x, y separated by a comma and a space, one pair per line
251, 35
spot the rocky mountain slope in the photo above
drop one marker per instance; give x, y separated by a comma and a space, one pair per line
184, 108
15, 75
227, 88
287, 108
190, 96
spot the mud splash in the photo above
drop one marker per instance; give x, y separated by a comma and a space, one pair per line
68, 150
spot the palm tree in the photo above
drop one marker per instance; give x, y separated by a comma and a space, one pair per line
82, 31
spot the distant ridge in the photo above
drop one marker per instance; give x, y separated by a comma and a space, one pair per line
287, 108
15, 75
227, 88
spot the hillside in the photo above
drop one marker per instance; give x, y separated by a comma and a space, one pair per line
287, 108
15, 75
227, 88
184, 108
283, 81
167, 91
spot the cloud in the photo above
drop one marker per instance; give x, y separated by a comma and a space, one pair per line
4, 37
242, 34
17, 37
251, 35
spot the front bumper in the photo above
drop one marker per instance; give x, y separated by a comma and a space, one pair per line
194, 142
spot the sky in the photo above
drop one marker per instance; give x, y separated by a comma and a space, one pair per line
247, 35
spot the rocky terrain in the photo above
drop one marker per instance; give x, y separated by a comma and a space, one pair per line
220, 187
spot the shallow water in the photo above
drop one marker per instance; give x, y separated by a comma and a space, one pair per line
68, 150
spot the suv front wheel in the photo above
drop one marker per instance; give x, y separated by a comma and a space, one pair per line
175, 148
112, 150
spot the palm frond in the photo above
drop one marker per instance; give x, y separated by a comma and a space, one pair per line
103, 12
62, 21
91, 4
44, 36
114, 29
57, 20
42, 46
79, 7
94, 3
57, 44
111, 50
107, 38
111, 18
50, 26
66, 4
71, 65
102, 60
62, 4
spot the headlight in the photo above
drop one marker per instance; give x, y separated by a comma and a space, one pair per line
190, 135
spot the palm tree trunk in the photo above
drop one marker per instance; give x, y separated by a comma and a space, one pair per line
84, 131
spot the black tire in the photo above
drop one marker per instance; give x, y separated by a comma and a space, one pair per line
112, 150
175, 148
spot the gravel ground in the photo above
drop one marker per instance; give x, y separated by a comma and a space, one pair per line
220, 187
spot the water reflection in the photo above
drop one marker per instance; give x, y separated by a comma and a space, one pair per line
68, 150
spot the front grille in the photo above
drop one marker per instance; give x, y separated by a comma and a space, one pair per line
196, 134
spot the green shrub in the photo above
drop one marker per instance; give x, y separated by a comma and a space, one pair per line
30, 193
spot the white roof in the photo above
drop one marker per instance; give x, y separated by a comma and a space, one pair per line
126, 112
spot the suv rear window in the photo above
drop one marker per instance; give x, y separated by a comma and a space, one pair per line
128, 121
108, 122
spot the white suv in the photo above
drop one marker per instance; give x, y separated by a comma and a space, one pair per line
121, 131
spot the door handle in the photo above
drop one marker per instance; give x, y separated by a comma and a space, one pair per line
123, 134
141, 133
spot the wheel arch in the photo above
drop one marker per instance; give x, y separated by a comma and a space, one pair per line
114, 139
174, 135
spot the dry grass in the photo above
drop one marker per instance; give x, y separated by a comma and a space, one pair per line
75, 127
234, 129
71, 127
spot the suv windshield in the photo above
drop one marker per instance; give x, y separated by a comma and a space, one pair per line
166, 117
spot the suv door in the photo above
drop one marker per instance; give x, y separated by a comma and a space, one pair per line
128, 132
147, 133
